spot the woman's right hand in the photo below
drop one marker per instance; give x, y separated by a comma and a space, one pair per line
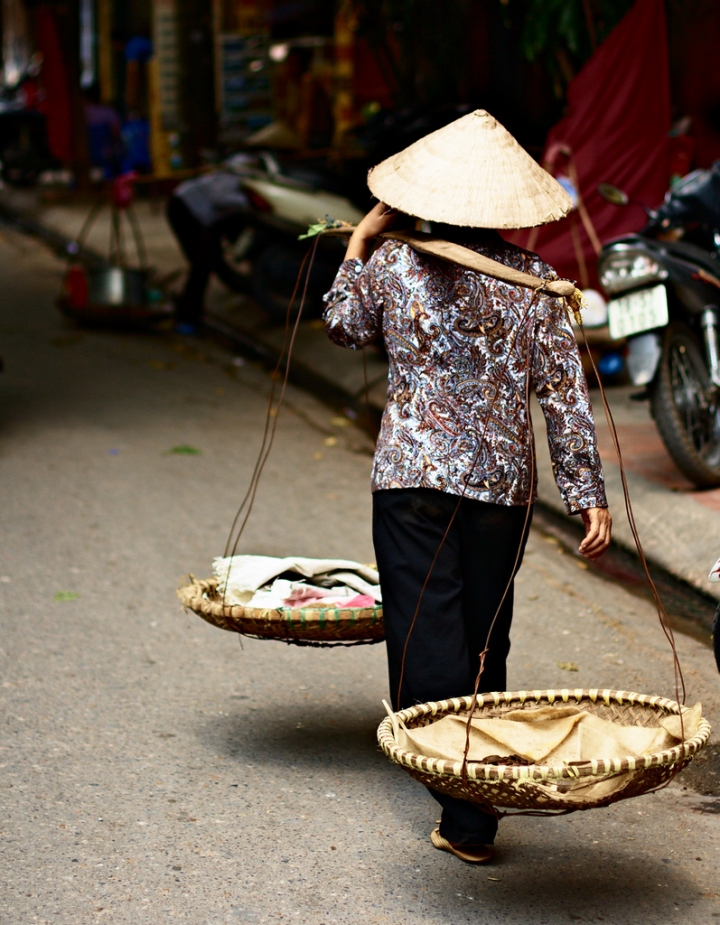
380, 218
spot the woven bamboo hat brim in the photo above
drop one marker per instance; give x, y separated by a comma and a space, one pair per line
472, 173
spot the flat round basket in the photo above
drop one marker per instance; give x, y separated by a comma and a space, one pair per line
311, 626
538, 788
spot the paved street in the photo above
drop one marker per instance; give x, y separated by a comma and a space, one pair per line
154, 770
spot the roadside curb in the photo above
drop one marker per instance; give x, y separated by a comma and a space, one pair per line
678, 535
59, 243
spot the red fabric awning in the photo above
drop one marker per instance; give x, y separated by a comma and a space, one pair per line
616, 131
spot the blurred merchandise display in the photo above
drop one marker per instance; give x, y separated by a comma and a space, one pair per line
192, 82
15, 42
164, 80
243, 83
88, 35
136, 144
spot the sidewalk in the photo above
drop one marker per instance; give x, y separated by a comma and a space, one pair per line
678, 526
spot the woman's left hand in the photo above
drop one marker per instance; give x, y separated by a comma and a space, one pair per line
598, 532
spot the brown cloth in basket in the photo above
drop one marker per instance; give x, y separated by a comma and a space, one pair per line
552, 736
547, 736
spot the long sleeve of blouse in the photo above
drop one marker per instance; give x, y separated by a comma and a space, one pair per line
464, 352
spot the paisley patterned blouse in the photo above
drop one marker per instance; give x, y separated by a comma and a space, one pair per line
459, 343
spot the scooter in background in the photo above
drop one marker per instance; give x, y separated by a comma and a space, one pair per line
664, 289
24, 149
258, 247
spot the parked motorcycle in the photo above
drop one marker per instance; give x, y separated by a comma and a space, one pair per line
664, 288
24, 149
259, 249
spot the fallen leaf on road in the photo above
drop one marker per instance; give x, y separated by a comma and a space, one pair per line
339, 422
66, 595
184, 450
568, 666
330, 441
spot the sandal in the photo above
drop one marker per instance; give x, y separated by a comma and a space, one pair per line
471, 854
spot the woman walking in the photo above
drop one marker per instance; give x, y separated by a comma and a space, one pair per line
453, 478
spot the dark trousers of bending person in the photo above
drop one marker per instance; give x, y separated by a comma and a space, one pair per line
474, 569
195, 211
200, 245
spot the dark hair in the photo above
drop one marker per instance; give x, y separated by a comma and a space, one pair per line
459, 234
463, 235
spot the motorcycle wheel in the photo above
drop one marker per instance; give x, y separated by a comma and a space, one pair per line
686, 407
233, 261
275, 274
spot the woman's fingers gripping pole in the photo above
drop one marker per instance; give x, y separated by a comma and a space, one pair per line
380, 218
598, 532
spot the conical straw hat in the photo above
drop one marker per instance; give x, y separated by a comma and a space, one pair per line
473, 173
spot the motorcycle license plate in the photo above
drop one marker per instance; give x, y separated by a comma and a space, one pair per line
638, 311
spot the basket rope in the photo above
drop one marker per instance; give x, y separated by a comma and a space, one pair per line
271, 416
680, 691
321, 627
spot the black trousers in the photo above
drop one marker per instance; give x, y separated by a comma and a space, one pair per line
200, 246
468, 581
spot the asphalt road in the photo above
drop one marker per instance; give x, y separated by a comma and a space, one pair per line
154, 770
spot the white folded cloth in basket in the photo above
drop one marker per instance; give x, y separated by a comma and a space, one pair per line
251, 580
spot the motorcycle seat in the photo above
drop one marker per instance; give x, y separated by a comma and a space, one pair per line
316, 178
693, 254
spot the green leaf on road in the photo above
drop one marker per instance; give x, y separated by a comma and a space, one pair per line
568, 666
66, 595
184, 450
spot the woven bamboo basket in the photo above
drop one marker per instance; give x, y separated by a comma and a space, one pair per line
539, 788
313, 626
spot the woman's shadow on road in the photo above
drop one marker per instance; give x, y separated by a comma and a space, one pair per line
547, 869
